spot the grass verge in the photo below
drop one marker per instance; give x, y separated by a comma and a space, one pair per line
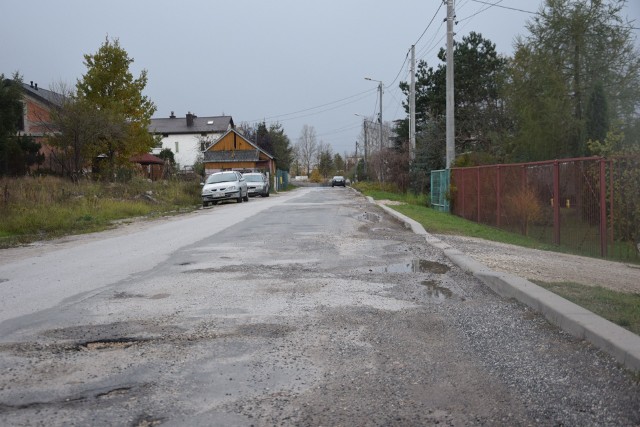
435, 222
620, 308
47, 207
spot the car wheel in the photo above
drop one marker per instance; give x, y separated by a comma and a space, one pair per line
246, 197
205, 204
214, 203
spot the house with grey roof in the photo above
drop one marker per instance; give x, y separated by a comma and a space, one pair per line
190, 136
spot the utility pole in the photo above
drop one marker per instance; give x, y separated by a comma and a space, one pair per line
366, 149
355, 178
450, 122
412, 107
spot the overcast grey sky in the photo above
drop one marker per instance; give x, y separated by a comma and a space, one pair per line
255, 59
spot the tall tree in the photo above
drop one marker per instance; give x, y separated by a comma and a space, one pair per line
109, 85
339, 164
281, 144
324, 159
481, 117
263, 138
597, 115
573, 46
307, 146
81, 132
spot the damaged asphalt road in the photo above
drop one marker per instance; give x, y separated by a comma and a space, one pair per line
310, 308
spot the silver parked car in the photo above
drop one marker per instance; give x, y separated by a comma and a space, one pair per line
223, 186
257, 183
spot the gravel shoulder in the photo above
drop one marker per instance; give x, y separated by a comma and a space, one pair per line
534, 264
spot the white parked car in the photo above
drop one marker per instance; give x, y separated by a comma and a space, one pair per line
257, 183
223, 186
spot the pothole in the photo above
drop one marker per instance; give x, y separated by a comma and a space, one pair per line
126, 295
412, 266
114, 393
109, 344
434, 290
147, 421
264, 330
369, 216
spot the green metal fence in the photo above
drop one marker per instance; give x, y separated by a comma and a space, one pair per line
439, 190
282, 180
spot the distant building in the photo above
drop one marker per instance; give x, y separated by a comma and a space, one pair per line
190, 136
36, 118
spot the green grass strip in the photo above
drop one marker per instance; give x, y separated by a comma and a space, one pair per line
618, 307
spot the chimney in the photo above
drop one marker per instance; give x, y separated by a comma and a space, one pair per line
190, 118
31, 83
36, 86
173, 115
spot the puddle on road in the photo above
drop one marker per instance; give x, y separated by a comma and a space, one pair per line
434, 290
369, 216
413, 266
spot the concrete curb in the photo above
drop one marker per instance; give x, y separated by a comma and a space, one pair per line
623, 345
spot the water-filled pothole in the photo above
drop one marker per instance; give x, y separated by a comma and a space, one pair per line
369, 216
413, 266
434, 290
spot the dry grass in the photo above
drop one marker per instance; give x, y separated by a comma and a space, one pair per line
45, 207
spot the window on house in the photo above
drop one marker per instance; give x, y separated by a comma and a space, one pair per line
177, 147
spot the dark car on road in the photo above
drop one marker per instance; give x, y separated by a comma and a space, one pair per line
338, 180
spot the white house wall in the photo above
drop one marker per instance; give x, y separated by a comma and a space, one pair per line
186, 147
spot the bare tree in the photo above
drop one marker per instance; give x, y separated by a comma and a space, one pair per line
307, 146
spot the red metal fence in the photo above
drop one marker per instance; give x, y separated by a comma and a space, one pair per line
582, 204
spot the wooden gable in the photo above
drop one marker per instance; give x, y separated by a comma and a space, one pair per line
232, 141
233, 151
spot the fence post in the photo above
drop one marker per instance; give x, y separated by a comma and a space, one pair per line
611, 172
603, 209
556, 202
478, 191
460, 173
498, 197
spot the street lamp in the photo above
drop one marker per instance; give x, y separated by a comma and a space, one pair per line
380, 89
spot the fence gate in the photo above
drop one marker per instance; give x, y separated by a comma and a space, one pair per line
439, 190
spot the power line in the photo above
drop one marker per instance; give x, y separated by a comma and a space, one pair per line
504, 7
399, 72
481, 10
279, 117
430, 22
